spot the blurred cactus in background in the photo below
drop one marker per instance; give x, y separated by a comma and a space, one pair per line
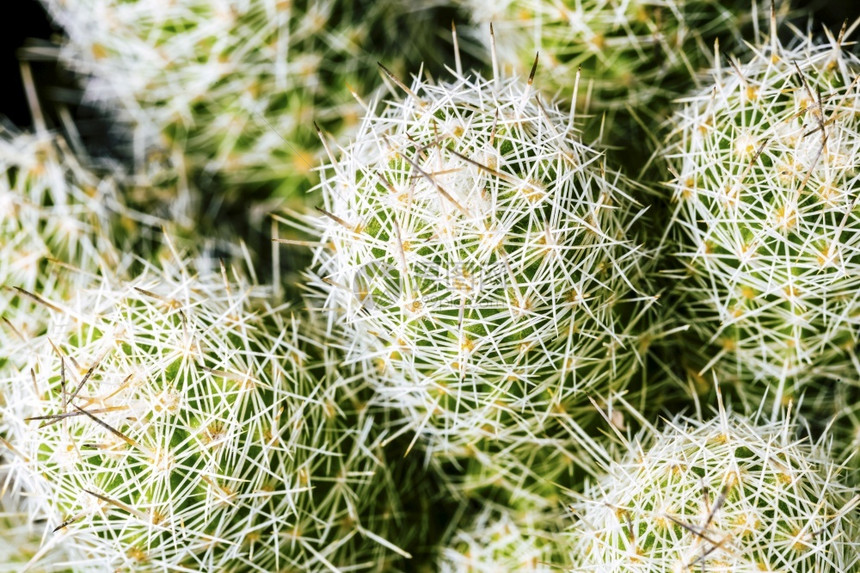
237, 85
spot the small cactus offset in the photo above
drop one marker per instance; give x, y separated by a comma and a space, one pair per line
177, 423
764, 181
499, 540
485, 258
725, 494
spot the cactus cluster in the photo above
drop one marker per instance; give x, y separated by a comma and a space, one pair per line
497, 304
764, 181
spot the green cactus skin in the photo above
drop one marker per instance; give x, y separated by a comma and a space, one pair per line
730, 493
764, 178
484, 258
177, 422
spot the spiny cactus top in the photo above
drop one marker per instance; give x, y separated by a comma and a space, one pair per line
483, 253
178, 423
729, 494
238, 84
764, 174
626, 48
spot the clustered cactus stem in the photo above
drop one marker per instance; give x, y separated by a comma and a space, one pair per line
178, 422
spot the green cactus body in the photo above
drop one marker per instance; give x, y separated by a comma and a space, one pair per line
764, 179
484, 257
178, 423
728, 494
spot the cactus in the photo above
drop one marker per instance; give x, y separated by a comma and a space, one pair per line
55, 215
634, 56
53, 208
237, 85
179, 422
501, 540
765, 216
484, 257
729, 493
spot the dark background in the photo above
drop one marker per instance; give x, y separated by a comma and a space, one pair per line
31, 25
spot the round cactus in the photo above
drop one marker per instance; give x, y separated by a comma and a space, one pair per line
485, 258
766, 218
237, 85
178, 422
726, 494
500, 540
